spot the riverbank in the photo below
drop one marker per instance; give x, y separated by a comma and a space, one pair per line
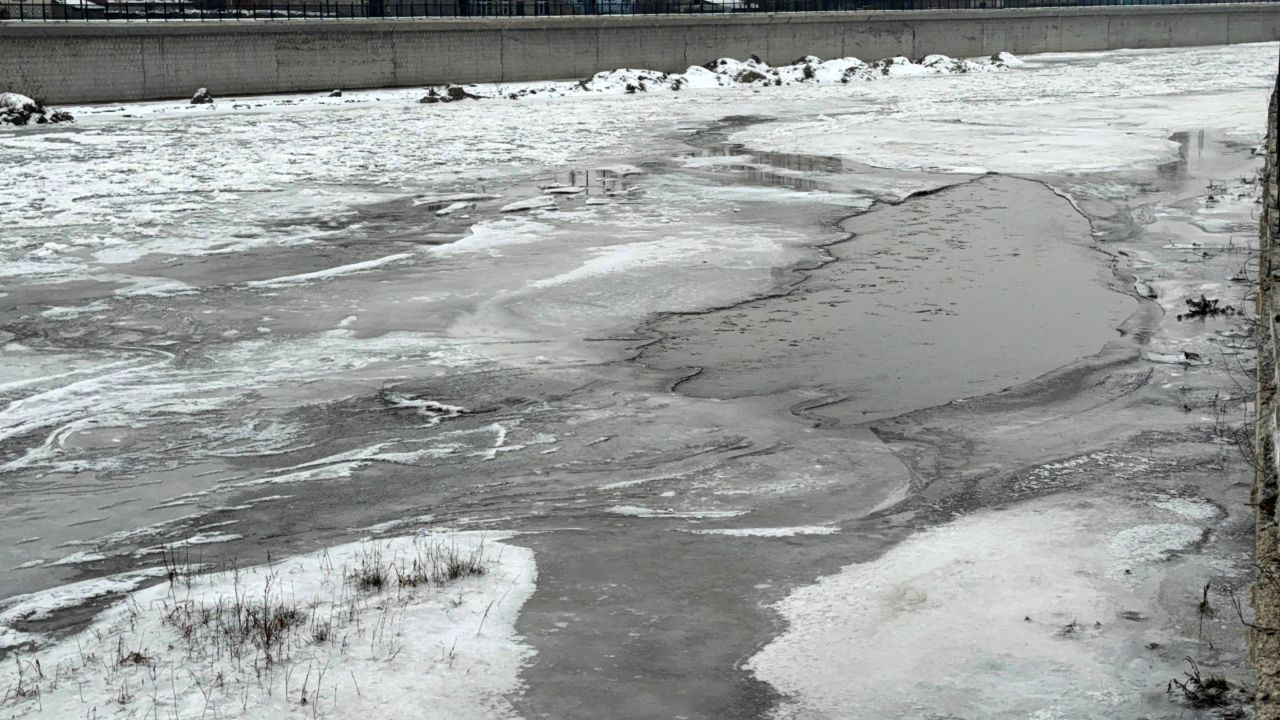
245, 351
69, 62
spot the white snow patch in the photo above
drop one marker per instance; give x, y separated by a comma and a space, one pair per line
488, 237
455, 199
390, 525
1155, 542
79, 558
389, 653
1189, 508
453, 208
19, 109
14, 101
197, 539
1008, 59
157, 287
330, 272
537, 202
628, 257
1179, 358
729, 72
973, 612
335, 471
434, 411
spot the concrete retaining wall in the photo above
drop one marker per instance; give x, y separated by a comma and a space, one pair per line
101, 61
1264, 642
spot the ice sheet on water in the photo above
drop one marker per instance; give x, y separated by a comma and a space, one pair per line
977, 610
980, 125
645, 512
149, 390
37, 606
770, 532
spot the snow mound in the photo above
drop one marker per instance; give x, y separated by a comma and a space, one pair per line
626, 80
381, 628
18, 109
449, 93
1008, 59
730, 72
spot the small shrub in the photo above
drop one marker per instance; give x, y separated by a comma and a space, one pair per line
371, 573
233, 626
1202, 691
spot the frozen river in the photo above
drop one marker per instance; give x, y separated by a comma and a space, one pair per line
858, 400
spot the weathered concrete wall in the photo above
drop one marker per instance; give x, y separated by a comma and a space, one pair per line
1264, 645
99, 61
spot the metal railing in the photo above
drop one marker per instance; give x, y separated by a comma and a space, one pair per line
219, 10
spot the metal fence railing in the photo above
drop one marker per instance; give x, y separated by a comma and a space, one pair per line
181, 10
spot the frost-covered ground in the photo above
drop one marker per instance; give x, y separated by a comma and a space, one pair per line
261, 327
349, 630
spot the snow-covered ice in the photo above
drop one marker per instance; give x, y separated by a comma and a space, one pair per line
1012, 613
1083, 123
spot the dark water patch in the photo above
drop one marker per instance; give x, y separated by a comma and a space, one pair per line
960, 293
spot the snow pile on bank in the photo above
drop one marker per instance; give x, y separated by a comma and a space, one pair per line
728, 72
18, 109
382, 628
